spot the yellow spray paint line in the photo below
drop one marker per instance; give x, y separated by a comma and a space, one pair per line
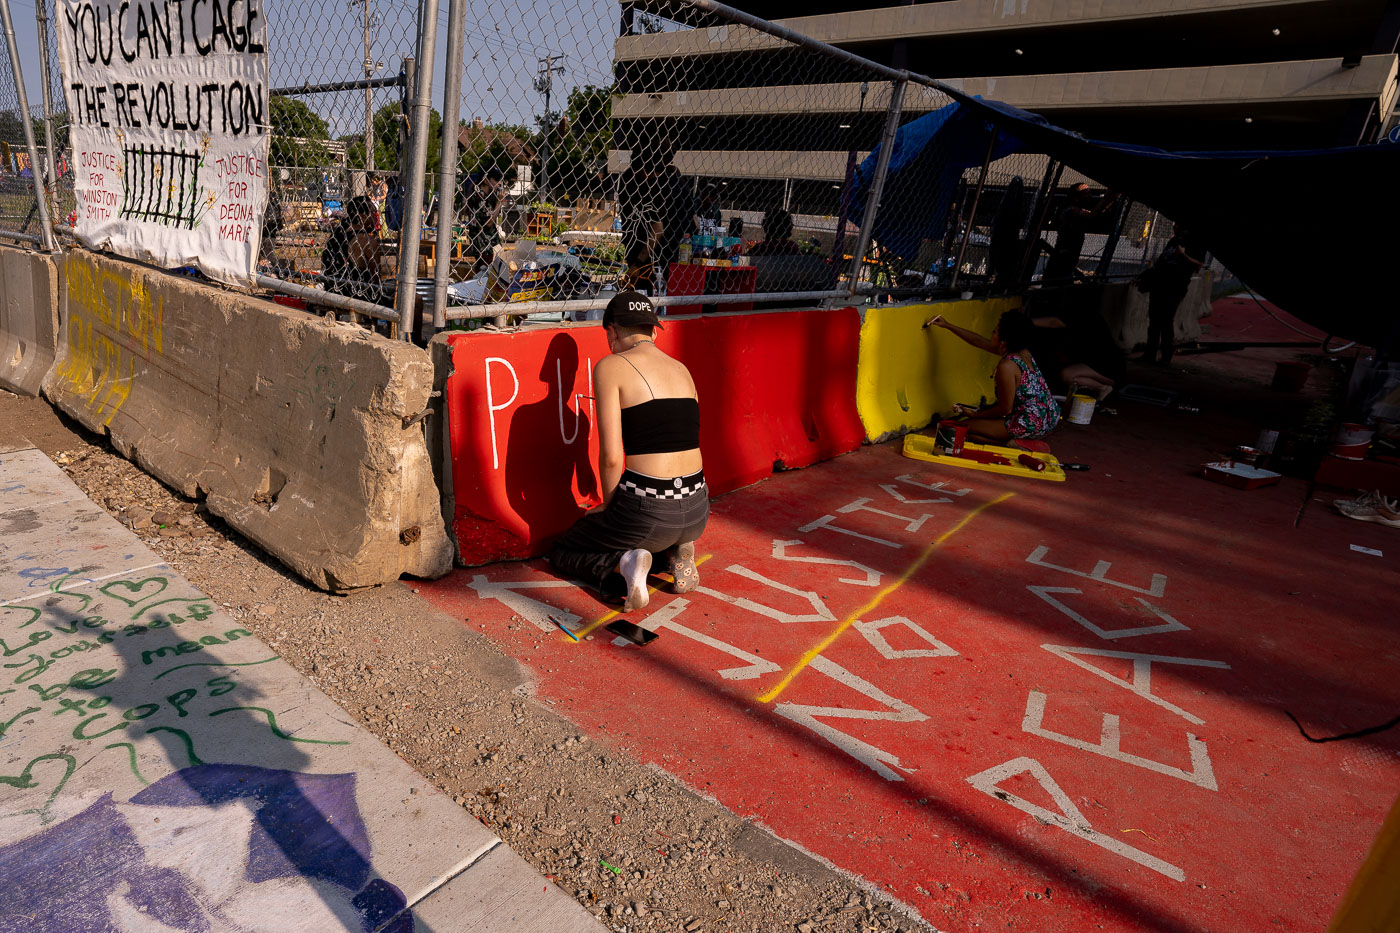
879, 597
617, 612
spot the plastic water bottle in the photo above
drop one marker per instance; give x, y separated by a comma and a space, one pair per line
685, 250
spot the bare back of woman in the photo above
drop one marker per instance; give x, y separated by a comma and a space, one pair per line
655, 501
654, 375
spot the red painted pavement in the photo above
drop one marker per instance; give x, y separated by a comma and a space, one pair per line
1242, 317
964, 767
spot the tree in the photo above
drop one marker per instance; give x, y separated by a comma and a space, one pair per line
579, 144
295, 127
387, 158
479, 156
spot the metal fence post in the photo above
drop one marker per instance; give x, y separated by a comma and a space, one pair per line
411, 231
40, 198
1053, 171
877, 184
972, 214
447, 184
41, 19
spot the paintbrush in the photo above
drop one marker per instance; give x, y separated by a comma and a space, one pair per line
564, 627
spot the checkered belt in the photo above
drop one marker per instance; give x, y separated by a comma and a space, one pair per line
680, 487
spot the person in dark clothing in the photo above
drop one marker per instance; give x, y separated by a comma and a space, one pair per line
654, 495
1007, 246
777, 235
350, 259
657, 210
485, 202
708, 208
1073, 222
1171, 277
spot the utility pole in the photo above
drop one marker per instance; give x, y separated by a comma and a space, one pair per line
369, 97
544, 83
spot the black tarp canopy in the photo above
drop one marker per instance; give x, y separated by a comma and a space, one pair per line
1315, 232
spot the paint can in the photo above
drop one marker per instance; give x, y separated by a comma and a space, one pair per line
1081, 409
1353, 440
950, 437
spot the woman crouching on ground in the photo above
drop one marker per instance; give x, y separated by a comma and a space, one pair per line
1023, 409
654, 495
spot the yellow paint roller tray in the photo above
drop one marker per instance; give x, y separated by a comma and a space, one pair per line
986, 457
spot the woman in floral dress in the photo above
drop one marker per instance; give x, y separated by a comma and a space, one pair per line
1023, 409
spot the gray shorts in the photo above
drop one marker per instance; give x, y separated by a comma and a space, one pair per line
647, 512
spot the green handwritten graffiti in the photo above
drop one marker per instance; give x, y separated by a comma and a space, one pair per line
185, 738
25, 779
180, 667
134, 587
272, 724
199, 608
131, 754
11, 721
32, 619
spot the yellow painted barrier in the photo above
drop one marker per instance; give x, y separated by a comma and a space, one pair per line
1372, 903
907, 374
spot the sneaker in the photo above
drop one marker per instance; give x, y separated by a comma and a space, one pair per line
684, 574
634, 567
1365, 500
1382, 512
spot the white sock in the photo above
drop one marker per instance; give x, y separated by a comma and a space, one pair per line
634, 567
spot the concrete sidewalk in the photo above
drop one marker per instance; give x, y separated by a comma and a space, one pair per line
162, 769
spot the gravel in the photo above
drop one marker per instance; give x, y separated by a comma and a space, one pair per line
458, 709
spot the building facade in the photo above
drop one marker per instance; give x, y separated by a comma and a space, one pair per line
757, 114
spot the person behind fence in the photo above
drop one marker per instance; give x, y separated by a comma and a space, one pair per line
1023, 409
657, 210
350, 259
708, 210
655, 501
777, 235
1168, 281
485, 204
1072, 224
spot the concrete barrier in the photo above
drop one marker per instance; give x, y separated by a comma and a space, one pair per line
296, 429
777, 390
1124, 308
28, 319
908, 374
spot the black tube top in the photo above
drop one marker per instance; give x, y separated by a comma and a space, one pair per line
661, 426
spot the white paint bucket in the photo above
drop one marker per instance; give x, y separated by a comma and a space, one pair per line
1081, 409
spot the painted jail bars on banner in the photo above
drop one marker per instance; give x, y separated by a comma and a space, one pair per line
777, 390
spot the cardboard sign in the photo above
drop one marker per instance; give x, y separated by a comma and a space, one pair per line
170, 134
510, 281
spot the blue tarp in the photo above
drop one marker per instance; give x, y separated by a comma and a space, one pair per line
1309, 230
929, 157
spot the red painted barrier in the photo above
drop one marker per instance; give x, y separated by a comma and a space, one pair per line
776, 389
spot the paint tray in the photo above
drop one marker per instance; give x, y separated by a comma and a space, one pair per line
1239, 475
987, 457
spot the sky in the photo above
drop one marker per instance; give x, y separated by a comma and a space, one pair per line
318, 41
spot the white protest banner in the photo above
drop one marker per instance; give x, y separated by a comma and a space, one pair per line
169, 108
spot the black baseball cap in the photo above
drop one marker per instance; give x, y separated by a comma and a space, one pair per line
630, 309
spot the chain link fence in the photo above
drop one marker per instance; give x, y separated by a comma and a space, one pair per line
23, 215
605, 146
577, 148
339, 149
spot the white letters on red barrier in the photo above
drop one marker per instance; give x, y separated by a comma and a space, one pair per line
492, 407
